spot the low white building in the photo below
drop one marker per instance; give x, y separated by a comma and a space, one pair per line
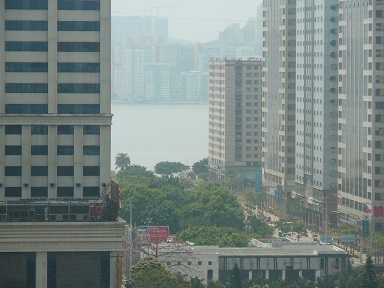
280, 260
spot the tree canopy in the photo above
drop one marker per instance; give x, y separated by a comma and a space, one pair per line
200, 168
212, 235
151, 273
122, 161
170, 168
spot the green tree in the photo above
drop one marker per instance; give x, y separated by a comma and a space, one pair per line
369, 278
170, 168
212, 204
122, 161
294, 208
302, 283
196, 283
214, 284
212, 235
200, 168
327, 281
235, 280
150, 273
259, 228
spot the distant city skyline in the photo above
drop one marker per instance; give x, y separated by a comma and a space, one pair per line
197, 21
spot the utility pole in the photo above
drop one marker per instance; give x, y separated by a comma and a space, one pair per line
326, 221
130, 237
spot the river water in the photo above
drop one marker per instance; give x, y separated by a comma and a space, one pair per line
153, 133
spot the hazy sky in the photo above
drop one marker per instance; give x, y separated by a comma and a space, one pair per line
193, 20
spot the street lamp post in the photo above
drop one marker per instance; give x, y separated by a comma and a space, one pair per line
130, 237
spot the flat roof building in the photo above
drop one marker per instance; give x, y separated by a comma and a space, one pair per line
234, 119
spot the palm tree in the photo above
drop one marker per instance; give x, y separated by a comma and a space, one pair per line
122, 161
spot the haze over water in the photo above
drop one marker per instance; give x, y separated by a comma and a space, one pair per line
153, 133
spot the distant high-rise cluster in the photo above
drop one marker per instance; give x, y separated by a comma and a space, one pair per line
322, 113
149, 66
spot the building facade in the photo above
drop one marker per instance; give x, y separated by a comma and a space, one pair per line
360, 108
281, 261
316, 107
278, 112
234, 119
57, 200
55, 106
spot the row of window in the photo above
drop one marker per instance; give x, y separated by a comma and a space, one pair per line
35, 25
43, 108
42, 192
43, 88
61, 4
61, 150
40, 46
43, 171
61, 129
43, 67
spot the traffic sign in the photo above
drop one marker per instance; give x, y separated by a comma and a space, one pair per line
326, 238
347, 238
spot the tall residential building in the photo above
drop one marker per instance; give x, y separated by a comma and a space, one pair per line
234, 119
129, 75
279, 75
316, 107
158, 81
194, 86
55, 140
360, 108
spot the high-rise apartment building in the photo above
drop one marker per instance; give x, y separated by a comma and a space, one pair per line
234, 119
279, 75
316, 107
194, 86
360, 108
55, 138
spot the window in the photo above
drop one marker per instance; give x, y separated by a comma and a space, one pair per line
26, 88
79, 67
199, 263
26, 108
39, 170
27, 4
12, 191
65, 150
78, 108
209, 262
26, 25
13, 149
12, 129
65, 191
26, 46
78, 5
12, 170
65, 170
39, 150
26, 67
91, 191
78, 26
78, 47
65, 130
91, 150
40, 192
78, 88
39, 129
91, 130
91, 171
